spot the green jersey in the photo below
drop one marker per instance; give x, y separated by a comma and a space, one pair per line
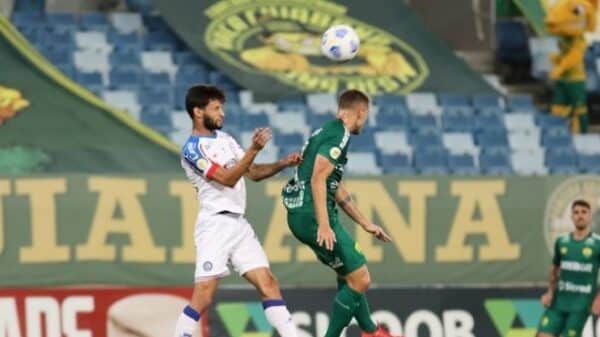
578, 261
330, 141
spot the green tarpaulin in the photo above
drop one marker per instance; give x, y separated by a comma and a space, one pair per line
273, 46
53, 125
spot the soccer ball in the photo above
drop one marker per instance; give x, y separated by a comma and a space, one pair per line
340, 43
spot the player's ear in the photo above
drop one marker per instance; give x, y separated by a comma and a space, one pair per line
198, 112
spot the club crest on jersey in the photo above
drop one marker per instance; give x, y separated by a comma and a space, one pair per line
335, 152
587, 252
563, 250
203, 164
207, 266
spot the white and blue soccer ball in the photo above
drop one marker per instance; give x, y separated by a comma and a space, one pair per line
340, 43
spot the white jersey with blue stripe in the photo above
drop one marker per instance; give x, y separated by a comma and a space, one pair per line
200, 157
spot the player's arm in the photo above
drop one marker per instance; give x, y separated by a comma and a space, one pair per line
258, 172
322, 169
344, 200
553, 276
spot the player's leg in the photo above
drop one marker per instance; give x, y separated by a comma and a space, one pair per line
188, 321
363, 312
212, 251
551, 323
574, 323
250, 261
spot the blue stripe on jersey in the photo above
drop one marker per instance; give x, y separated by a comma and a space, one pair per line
191, 153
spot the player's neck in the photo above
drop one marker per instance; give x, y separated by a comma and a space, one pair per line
580, 234
202, 131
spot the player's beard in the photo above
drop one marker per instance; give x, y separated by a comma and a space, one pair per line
211, 124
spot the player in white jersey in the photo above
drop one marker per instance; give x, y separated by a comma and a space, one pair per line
216, 165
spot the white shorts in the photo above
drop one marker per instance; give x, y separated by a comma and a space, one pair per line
222, 239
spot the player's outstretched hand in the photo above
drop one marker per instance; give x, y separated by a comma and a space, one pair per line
378, 232
326, 237
260, 138
292, 159
546, 299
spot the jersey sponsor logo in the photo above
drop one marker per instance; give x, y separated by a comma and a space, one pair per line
282, 40
576, 266
571, 287
557, 217
335, 152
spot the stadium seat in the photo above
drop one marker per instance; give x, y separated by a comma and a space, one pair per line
125, 62
94, 21
89, 61
127, 23
393, 118
157, 118
529, 162
365, 142
544, 121
91, 81
587, 143
556, 137
61, 21
179, 136
159, 62
562, 161
126, 43
519, 122
423, 124
520, 103
325, 103
460, 143
125, 100
482, 101
422, 141
160, 41
423, 103
393, 142
289, 140
188, 57
253, 121
126, 80
462, 164
454, 121
524, 141
495, 163
363, 163
289, 122
589, 164
431, 161
489, 120
491, 139
180, 120
92, 41
389, 100
453, 100
396, 164
541, 48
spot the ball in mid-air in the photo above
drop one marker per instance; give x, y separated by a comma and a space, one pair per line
340, 43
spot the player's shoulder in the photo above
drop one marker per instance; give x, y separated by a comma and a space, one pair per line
190, 144
594, 239
563, 238
336, 129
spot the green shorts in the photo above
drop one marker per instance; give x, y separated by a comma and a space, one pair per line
345, 258
567, 324
570, 93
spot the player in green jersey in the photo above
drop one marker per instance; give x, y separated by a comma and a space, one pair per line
571, 291
311, 199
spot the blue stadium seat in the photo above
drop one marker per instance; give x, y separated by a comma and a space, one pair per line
61, 21
59, 55
126, 80
253, 121
423, 123
495, 163
157, 96
57, 39
289, 140
546, 121
489, 122
26, 18
91, 81
396, 164
160, 40
158, 118
453, 100
154, 23
125, 61
221, 80
423, 141
365, 142
521, 103
481, 101
126, 43
458, 122
387, 100
462, 164
589, 164
316, 121
431, 161
562, 161
556, 137
189, 74
492, 139
157, 80
67, 69
94, 21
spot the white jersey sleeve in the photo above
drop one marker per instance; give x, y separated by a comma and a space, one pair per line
195, 155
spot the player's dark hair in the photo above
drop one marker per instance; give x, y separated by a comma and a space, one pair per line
349, 98
582, 203
200, 95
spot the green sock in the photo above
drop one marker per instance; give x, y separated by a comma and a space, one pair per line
344, 305
363, 312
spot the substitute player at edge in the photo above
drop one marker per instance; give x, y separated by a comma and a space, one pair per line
572, 288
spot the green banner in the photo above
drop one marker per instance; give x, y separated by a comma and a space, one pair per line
49, 123
535, 12
272, 47
138, 230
